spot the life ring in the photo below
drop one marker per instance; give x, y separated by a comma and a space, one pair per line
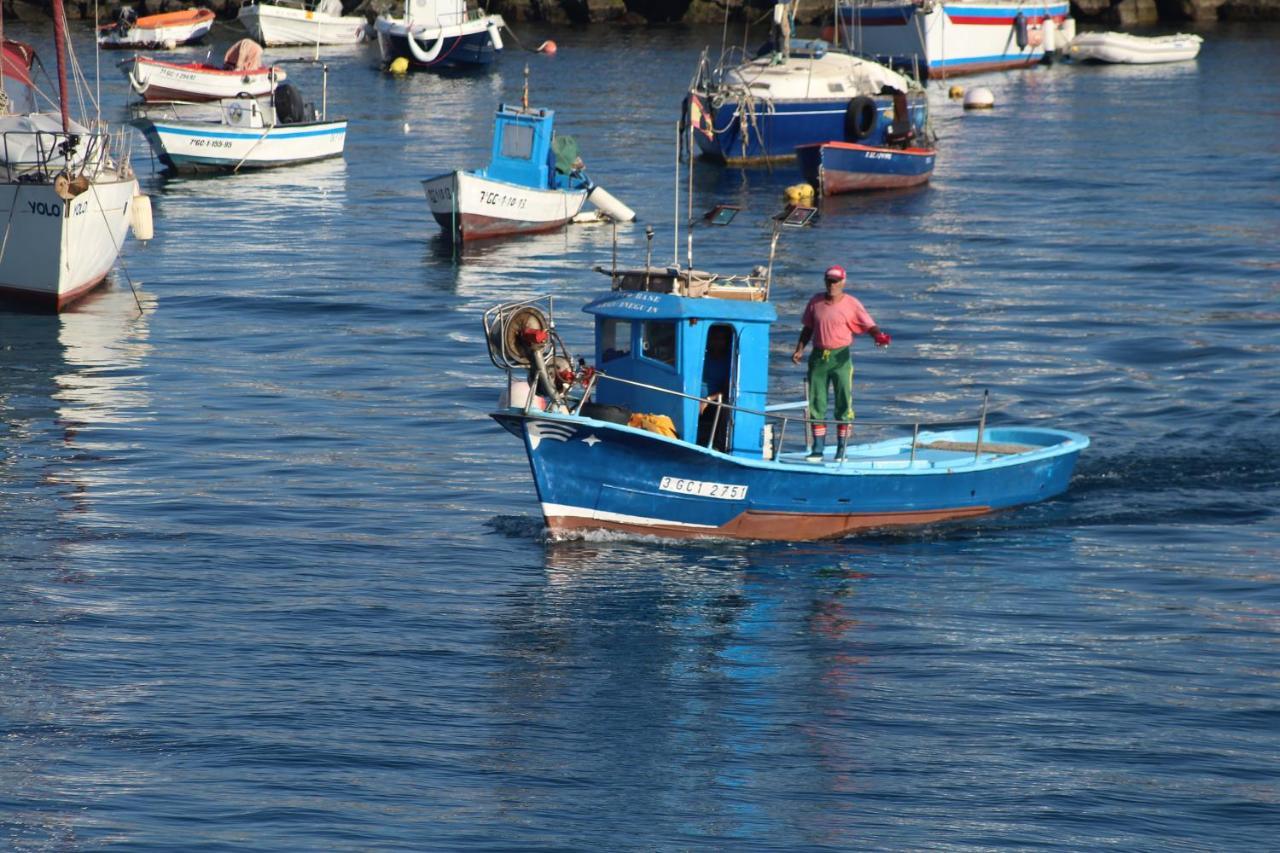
860, 118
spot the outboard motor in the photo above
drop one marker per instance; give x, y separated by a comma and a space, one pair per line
289, 106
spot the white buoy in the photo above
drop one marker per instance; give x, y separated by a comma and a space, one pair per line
979, 99
406, 127
140, 218
610, 206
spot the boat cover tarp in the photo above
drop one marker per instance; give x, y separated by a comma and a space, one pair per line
568, 155
244, 55
32, 141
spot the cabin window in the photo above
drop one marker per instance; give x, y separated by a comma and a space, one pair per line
517, 141
659, 341
615, 339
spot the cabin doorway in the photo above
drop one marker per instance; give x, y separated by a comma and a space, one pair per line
715, 417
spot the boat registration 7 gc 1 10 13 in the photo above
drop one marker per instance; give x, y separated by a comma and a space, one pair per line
724, 491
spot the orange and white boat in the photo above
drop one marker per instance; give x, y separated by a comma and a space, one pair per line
155, 32
241, 73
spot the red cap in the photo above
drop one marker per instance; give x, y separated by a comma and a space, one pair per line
834, 274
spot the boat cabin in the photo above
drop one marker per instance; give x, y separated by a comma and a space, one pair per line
436, 13
527, 152
687, 337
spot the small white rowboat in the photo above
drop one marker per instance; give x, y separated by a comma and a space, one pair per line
318, 23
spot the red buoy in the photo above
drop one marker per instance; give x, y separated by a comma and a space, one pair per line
548, 47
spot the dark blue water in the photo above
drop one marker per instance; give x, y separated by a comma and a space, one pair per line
271, 579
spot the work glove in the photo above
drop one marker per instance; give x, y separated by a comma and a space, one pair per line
881, 339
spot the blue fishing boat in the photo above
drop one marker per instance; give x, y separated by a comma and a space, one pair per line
670, 433
796, 92
904, 158
845, 167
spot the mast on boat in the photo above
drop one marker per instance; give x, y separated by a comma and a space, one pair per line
59, 47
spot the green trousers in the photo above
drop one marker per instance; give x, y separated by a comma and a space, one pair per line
835, 368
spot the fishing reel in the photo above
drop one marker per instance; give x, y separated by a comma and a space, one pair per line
521, 336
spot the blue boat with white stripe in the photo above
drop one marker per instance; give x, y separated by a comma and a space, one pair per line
245, 134
670, 433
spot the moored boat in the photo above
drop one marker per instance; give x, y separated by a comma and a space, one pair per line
69, 194
285, 23
164, 31
246, 135
795, 93
535, 181
844, 167
242, 73
440, 34
639, 444
1128, 49
947, 38
904, 158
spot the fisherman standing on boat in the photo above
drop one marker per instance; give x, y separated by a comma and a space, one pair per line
831, 320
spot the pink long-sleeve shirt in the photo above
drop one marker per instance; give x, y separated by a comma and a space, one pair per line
835, 323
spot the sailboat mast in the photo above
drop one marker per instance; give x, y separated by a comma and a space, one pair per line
60, 46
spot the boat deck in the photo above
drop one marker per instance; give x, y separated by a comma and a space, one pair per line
928, 455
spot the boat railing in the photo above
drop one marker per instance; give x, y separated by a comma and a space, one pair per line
39, 155
777, 424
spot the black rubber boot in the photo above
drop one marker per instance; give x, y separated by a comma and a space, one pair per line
816, 448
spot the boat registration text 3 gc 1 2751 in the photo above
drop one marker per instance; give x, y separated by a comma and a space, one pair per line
724, 491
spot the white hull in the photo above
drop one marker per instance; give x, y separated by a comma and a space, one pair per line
155, 81
159, 37
196, 146
471, 206
282, 25
1125, 49
945, 39
55, 250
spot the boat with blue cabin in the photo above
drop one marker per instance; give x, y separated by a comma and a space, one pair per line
535, 181
934, 39
438, 35
643, 443
795, 92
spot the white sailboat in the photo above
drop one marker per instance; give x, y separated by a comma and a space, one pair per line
66, 197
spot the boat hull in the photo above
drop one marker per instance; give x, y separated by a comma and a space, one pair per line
54, 250
471, 207
472, 44
188, 147
282, 25
1125, 49
594, 476
158, 81
844, 167
773, 135
159, 32
952, 39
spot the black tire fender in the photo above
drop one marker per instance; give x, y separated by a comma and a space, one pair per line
860, 118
